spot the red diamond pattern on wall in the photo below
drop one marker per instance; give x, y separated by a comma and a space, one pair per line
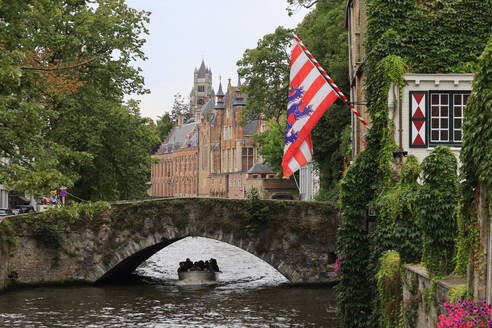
418, 126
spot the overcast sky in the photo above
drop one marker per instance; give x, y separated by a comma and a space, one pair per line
183, 32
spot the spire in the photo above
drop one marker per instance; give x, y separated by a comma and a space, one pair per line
239, 100
203, 69
220, 92
220, 96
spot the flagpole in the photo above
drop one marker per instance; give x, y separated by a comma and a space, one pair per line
329, 80
297, 185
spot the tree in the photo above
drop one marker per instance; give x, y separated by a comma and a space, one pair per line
180, 107
58, 57
323, 32
120, 144
266, 73
164, 126
294, 4
272, 143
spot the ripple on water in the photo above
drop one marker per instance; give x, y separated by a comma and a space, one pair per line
250, 293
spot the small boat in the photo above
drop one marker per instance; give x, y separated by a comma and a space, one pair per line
198, 276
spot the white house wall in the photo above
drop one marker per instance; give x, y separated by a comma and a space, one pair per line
423, 83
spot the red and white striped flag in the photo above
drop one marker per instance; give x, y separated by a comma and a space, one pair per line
310, 95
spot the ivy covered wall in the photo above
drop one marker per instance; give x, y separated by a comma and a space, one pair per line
403, 36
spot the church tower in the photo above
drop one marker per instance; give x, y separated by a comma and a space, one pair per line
202, 90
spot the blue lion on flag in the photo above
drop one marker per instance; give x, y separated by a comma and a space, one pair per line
294, 112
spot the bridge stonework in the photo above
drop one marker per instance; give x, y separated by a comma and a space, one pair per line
296, 238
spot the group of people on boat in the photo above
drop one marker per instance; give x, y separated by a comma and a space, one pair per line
207, 266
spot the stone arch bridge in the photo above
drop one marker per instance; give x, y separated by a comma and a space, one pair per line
296, 238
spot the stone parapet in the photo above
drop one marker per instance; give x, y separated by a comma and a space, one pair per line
423, 304
296, 238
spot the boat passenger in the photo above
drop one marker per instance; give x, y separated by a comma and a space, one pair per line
213, 265
188, 264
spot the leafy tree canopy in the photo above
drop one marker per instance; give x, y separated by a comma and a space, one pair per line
164, 126
266, 73
323, 32
64, 67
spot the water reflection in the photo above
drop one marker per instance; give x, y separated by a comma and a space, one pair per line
250, 294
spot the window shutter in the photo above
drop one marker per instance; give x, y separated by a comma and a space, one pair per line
418, 132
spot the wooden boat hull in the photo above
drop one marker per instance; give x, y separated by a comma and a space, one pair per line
198, 276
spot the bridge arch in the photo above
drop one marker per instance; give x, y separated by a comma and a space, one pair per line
295, 238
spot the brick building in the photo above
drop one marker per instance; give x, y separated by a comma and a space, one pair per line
213, 155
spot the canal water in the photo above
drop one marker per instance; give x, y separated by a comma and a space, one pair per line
250, 293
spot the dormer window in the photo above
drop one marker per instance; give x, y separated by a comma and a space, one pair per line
201, 88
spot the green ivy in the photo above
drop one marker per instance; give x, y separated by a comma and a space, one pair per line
390, 289
356, 293
436, 212
476, 156
396, 208
48, 227
457, 293
402, 36
8, 237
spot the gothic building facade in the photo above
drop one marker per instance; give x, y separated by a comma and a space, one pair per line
213, 155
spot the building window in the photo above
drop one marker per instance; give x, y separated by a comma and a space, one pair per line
247, 158
446, 116
459, 103
200, 101
201, 88
436, 117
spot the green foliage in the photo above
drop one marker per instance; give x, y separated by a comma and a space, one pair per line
476, 153
164, 126
49, 226
390, 289
356, 288
258, 213
8, 237
459, 29
63, 66
266, 67
266, 73
476, 156
324, 33
437, 203
429, 295
119, 140
396, 210
456, 293
399, 40
272, 145
70, 213
363, 181
48, 233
